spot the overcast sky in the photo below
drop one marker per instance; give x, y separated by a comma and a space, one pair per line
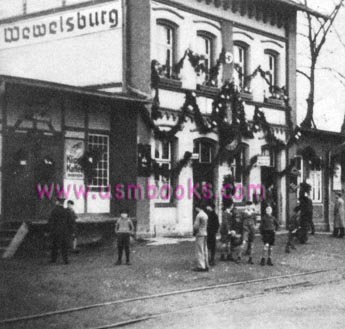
330, 93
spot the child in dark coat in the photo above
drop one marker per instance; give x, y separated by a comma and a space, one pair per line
268, 226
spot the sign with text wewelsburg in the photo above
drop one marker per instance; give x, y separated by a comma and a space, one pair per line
66, 24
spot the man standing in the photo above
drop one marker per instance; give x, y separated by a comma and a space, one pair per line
60, 227
200, 231
339, 216
212, 229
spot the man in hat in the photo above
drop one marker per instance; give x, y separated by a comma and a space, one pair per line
339, 216
60, 227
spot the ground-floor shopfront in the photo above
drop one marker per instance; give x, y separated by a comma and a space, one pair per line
95, 148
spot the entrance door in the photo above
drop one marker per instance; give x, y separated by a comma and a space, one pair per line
203, 171
268, 180
31, 158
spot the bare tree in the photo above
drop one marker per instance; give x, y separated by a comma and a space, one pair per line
318, 30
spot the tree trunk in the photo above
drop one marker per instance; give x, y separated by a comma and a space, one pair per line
308, 122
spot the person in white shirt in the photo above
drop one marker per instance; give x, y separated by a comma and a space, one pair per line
200, 232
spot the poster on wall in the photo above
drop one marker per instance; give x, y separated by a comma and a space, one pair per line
74, 149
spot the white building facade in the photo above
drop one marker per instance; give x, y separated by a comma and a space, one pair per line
167, 48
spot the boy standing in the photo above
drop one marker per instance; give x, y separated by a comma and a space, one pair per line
268, 226
124, 229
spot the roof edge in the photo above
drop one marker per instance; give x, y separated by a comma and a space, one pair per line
70, 89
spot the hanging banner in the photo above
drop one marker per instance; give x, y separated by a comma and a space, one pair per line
74, 150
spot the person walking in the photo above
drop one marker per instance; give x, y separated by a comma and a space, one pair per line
212, 230
339, 216
61, 227
200, 231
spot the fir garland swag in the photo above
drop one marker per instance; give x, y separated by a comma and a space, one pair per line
238, 127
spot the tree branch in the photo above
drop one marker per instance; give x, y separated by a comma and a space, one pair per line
304, 74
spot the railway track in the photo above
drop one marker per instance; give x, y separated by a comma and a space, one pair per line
229, 291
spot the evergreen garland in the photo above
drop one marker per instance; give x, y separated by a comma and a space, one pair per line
156, 170
227, 99
260, 123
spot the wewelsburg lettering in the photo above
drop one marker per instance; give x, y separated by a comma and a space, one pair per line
74, 22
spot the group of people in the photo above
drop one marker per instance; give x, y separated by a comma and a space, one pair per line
237, 231
62, 231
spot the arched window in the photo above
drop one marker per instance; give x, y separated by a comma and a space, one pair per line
206, 48
272, 66
241, 60
166, 46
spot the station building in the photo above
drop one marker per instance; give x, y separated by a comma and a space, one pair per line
79, 77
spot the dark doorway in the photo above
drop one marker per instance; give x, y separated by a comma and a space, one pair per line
203, 172
31, 158
269, 183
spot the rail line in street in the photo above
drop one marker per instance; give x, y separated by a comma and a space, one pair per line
44, 315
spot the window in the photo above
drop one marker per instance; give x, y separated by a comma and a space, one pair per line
236, 168
99, 145
205, 151
237, 172
241, 63
266, 152
165, 46
298, 161
163, 157
272, 67
315, 179
205, 48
